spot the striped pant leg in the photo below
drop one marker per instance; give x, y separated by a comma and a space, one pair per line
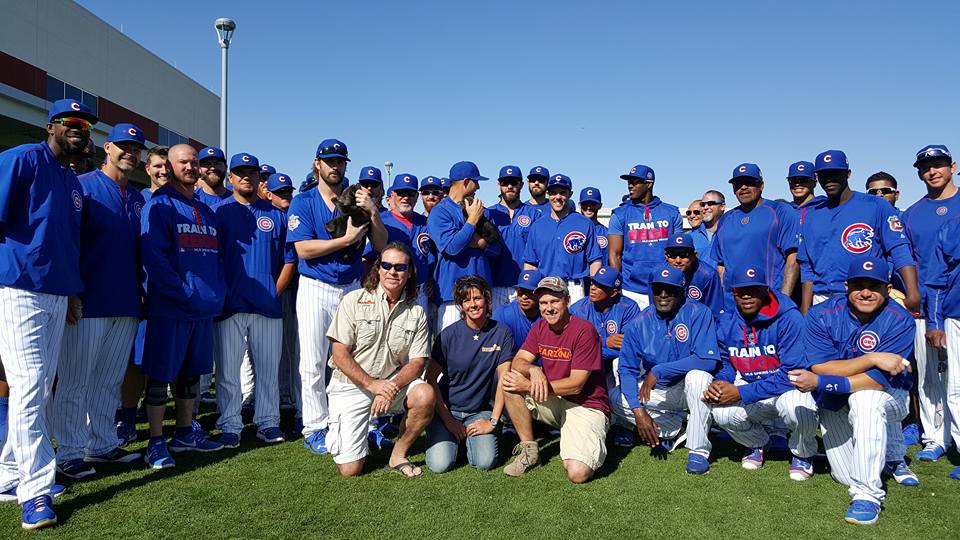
448, 313
870, 410
31, 329
248, 373
838, 443
952, 327
799, 413
103, 390
575, 290
266, 341
229, 347
289, 375
641, 299
501, 296
742, 422
695, 383
931, 389
667, 407
67, 409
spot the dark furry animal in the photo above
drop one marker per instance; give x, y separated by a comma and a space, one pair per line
346, 204
485, 228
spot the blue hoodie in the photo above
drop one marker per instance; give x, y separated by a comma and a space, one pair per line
763, 350
181, 256
645, 229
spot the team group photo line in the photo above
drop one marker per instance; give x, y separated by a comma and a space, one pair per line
382, 310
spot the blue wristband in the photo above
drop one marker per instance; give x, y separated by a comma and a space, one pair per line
833, 384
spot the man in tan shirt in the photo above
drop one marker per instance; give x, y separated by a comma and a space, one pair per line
380, 347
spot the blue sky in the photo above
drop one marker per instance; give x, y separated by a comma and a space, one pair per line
585, 88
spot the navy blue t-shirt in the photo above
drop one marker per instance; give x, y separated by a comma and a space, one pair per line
469, 360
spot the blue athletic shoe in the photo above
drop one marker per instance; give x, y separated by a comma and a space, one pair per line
76, 468
902, 474
623, 437
377, 439
911, 434
862, 512
669, 445
117, 455
271, 435
194, 442
38, 513
230, 440
157, 456
10, 495
931, 452
800, 469
126, 433
955, 473
316, 442
753, 460
697, 464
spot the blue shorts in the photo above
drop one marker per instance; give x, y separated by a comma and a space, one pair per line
136, 354
172, 347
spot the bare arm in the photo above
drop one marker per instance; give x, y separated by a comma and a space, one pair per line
410, 371
311, 249
571, 384
287, 275
594, 266
806, 299
791, 271
528, 266
615, 251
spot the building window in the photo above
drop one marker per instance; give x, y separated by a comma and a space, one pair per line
57, 89
169, 137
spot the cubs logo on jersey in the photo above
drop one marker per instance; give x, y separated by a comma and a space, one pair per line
942, 210
77, 199
611, 327
137, 208
857, 238
524, 221
681, 332
694, 293
868, 341
602, 242
265, 224
424, 243
573, 242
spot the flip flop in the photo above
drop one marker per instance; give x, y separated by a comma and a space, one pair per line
401, 467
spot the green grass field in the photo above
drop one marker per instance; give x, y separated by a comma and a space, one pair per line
286, 492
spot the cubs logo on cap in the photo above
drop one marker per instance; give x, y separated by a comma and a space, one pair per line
332, 148
125, 133
509, 172
868, 267
370, 174
279, 181
932, 151
211, 152
430, 182
590, 194
71, 108
750, 276
800, 169
528, 279
639, 172
244, 159
857, 238
267, 169
404, 182
679, 241
539, 172
668, 275
746, 171
560, 180
831, 160
607, 276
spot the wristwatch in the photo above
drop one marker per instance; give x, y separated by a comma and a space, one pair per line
494, 421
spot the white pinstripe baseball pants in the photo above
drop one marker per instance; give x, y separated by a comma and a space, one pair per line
31, 328
316, 305
290, 355
263, 336
669, 406
447, 314
502, 296
952, 329
861, 436
93, 360
931, 389
642, 300
745, 423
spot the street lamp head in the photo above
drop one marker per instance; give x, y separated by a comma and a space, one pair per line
225, 28
388, 164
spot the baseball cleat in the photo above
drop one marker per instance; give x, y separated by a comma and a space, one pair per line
126, 433
622, 437
193, 443
955, 473
271, 435
229, 440
902, 474
117, 455
157, 456
862, 512
697, 464
753, 460
800, 469
316, 442
931, 452
377, 439
911, 434
76, 468
10, 495
38, 513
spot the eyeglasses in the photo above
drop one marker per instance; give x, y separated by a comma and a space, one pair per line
694, 212
72, 123
399, 267
679, 254
710, 203
431, 192
881, 191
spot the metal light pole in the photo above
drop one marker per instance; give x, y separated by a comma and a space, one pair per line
389, 167
225, 28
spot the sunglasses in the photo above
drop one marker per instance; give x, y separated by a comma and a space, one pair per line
679, 254
399, 267
431, 192
694, 212
881, 191
710, 203
73, 123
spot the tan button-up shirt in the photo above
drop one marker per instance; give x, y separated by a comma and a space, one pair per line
381, 340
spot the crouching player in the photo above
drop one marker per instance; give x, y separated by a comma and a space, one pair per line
763, 339
856, 346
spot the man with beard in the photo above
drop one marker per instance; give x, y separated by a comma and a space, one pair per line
325, 276
213, 170
181, 255
537, 187
41, 205
514, 220
431, 193
96, 349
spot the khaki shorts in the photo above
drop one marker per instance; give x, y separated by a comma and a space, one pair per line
583, 431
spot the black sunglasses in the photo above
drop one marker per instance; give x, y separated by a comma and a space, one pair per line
881, 191
433, 192
710, 203
693, 212
399, 267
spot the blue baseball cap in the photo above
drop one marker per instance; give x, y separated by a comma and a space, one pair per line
510, 171
590, 194
528, 279
667, 275
244, 159
748, 276
445, 184
869, 267
267, 169
126, 132
71, 108
308, 182
430, 182
465, 170
932, 151
746, 170
607, 276
800, 169
211, 152
640, 172
278, 181
679, 241
404, 182
539, 172
560, 180
370, 174
331, 148
831, 160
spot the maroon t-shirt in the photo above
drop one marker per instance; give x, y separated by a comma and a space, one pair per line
577, 346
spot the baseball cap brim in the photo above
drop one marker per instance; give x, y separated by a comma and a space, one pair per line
325, 156
635, 177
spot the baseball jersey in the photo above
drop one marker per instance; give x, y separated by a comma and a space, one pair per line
762, 352
469, 359
609, 322
306, 218
412, 232
146, 194
763, 237
212, 200
833, 333
645, 229
922, 223
668, 348
513, 317
514, 231
703, 285
110, 263
452, 234
253, 248
834, 234
181, 255
942, 276
807, 204
563, 248
703, 244
41, 204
